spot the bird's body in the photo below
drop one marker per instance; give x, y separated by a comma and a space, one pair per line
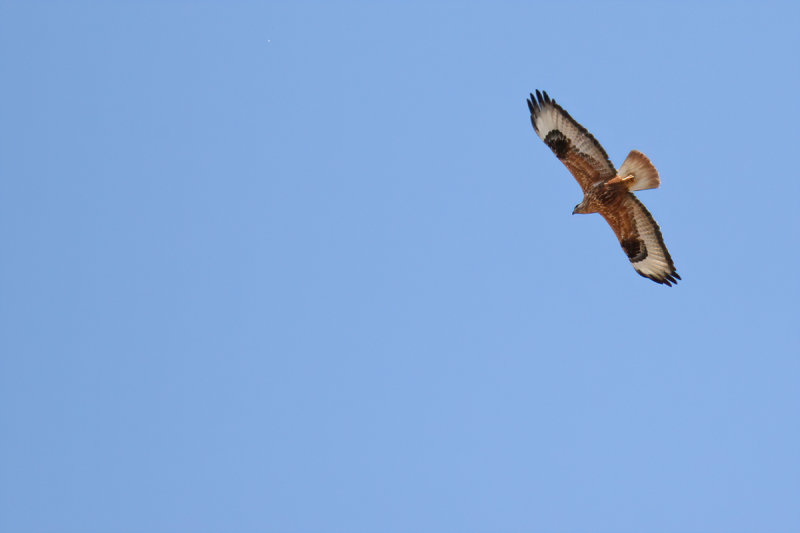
604, 198
606, 190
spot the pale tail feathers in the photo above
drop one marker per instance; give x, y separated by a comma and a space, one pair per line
645, 175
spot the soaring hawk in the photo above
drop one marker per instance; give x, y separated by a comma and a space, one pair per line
605, 190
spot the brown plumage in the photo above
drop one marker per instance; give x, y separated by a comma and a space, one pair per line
605, 190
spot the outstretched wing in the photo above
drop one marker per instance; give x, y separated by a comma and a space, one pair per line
641, 240
572, 144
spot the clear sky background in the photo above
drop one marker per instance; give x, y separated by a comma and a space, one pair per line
305, 267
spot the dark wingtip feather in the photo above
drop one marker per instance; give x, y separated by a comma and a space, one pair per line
538, 100
667, 279
673, 277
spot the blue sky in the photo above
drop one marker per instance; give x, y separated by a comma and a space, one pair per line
295, 267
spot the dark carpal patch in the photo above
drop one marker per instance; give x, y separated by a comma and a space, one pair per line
558, 143
634, 249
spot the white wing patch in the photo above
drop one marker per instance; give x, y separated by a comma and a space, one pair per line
657, 265
547, 120
551, 119
547, 116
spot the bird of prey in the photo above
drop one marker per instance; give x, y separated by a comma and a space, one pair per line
606, 190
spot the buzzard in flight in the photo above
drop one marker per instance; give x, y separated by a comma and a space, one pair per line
606, 190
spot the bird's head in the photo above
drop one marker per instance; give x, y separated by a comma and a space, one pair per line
580, 209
